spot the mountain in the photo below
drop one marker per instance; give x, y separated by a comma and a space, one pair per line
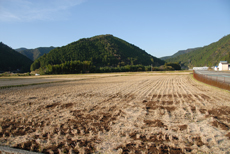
101, 50
20, 49
12, 60
180, 52
34, 54
209, 55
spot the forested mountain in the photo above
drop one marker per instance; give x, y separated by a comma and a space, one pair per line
209, 55
12, 60
180, 52
100, 51
34, 54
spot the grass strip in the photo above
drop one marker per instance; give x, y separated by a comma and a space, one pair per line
32, 84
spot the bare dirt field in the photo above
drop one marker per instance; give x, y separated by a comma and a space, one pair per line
130, 113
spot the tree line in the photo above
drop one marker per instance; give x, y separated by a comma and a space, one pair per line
76, 67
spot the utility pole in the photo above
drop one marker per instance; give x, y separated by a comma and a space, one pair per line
151, 68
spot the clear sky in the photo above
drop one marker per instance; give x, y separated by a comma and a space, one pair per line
160, 27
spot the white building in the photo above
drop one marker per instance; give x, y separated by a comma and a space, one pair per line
223, 66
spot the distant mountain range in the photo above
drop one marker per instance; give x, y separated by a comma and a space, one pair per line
101, 50
34, 54
107, 50
209, 55
11, 60
180, 52
20, 49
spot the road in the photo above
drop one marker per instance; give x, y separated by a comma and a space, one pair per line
222, 76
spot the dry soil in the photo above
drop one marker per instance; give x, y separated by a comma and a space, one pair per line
131, 113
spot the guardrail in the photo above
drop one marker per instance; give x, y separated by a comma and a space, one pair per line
214, 81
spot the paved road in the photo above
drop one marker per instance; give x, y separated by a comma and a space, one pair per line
222, 76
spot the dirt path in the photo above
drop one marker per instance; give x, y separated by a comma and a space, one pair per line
125, 114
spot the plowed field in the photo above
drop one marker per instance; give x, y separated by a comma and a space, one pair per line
133, 113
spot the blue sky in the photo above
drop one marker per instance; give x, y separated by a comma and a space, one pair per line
160, 27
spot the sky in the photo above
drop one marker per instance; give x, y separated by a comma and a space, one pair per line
160, 27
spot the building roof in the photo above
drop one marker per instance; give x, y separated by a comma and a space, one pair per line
223, 62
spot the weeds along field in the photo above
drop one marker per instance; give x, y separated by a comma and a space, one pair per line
131, 113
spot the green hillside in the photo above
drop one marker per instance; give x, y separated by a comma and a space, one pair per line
11, 60
34, 54
180, 52
100, 51
209, 55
